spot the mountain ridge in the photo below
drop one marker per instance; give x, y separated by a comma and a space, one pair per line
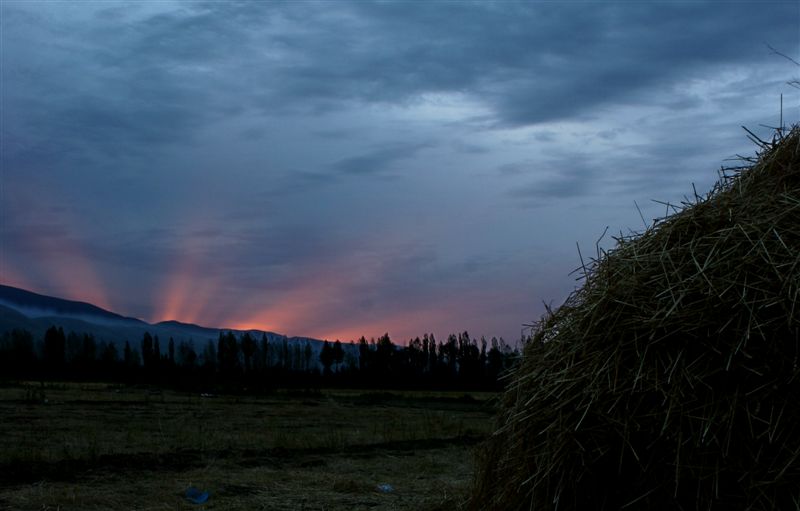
33, 304
23, 309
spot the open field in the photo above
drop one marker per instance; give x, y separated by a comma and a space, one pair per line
93, 446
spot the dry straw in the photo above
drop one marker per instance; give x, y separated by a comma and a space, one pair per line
669, 380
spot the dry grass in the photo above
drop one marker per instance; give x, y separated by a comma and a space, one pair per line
669, 380
427, 479
99, 447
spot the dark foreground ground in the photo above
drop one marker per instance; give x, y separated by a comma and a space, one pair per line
92, 446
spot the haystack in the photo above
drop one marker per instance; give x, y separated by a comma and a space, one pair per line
670, 379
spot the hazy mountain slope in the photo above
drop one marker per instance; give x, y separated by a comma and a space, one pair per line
36, 313
35, 305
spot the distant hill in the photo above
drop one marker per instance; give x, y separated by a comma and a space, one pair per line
36, 305
22, 309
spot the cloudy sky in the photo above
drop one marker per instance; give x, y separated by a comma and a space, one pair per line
335, 168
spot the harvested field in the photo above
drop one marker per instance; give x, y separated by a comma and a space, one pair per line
105, 447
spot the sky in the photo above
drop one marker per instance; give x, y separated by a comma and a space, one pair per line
336, 169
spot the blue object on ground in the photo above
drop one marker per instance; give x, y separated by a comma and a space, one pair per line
196, 496
385, 488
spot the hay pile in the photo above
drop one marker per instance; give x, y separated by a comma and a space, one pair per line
670, 380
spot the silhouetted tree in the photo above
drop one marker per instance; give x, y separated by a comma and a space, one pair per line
338, 354
264, 354
417, 358
127, 354
426, 364
108, 355
285, 357
307, 354
460, 362
17, 354
210, 357
147, 351
228, 354
494, 360
483, 355
53, 351
248, 349
187, 355
87, 357
156, 352
326, 357
297, 357
171, 348
384, 353
432, 357
449, 353
363, 355
74, 347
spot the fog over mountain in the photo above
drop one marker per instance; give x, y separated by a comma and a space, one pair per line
22, 309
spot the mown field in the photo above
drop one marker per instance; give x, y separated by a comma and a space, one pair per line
94, 446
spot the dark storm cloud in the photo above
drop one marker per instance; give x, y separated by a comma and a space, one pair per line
633, 50
517, 168
227, 249
291, 184
529, 62
377, 161
124, 85
566, 184
470, 149
238, 139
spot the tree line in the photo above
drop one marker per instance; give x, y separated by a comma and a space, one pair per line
247, 362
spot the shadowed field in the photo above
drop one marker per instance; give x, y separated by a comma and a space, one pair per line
94, 446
